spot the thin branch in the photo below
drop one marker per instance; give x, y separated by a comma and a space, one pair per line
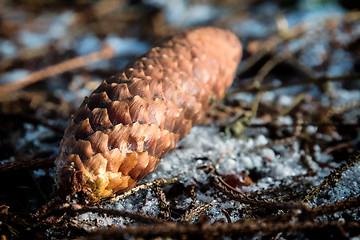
315, 81
219, 230
298, 99
281, 141
62, 67
265, 203
71, 211
227, 215
266, 68
331, 208
344, 108
195, 212
163, 205
156, 183
26, 164
331, 179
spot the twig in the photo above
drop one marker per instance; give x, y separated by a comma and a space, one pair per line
163, 205
71, 211
26, 54
195, 212
260, 125
26, 164
218, 230
65, 66
243, 198
227, 215
331, 179
193, 196
222, 155
339, 146
239, 126
192, 210
274, 143
266, 68
305, 156
344, 108
316, 81
285, 190
331, 208
298, 128
288, 109
158, 182
251, 61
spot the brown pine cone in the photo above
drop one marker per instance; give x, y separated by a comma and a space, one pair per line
130, 121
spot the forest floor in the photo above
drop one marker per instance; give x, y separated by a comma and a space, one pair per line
278, 158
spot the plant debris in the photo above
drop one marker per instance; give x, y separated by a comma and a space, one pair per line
288, 127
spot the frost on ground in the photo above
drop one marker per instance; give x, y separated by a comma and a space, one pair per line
301, 146
254, 154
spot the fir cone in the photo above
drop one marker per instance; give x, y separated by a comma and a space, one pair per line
130, 121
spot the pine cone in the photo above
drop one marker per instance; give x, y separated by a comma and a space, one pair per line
130, 121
